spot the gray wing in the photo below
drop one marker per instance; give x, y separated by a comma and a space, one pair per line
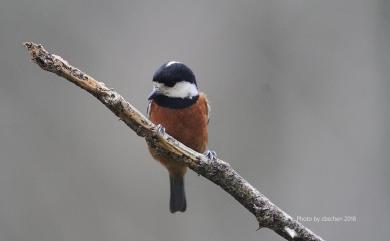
208, 110
148, 109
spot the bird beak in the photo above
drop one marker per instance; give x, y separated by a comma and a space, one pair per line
154, 94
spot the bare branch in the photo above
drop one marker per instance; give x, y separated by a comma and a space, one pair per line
221, 173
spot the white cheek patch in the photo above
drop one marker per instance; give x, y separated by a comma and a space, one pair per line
181, 89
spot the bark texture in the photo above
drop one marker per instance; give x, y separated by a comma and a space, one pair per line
218, 171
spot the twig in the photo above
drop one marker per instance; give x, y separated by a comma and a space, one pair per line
221, 173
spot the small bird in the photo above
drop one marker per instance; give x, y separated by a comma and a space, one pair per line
178, 108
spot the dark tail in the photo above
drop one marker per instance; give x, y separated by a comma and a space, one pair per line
177, 201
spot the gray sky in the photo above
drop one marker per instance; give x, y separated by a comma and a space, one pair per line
299, 93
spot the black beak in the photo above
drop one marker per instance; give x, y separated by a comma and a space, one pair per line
154, 94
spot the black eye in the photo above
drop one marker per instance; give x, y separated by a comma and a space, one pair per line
169, 83
165, 79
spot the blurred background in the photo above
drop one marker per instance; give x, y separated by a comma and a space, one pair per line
300, 107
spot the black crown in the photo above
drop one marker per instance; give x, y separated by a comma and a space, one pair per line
169, 74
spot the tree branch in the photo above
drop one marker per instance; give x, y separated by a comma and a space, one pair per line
221, 173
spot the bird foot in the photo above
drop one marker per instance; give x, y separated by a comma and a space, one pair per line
160, 130
211, 155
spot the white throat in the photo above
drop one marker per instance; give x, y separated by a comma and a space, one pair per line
182, 89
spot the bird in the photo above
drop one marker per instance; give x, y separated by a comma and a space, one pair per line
178, 108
